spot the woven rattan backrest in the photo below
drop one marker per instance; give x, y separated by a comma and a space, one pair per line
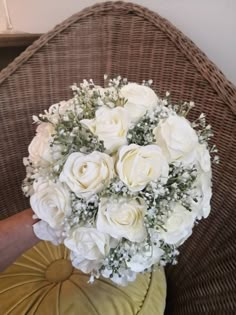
126, 39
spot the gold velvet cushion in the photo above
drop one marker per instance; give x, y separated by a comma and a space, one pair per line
43, 282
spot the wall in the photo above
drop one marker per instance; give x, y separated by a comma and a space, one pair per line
211, 24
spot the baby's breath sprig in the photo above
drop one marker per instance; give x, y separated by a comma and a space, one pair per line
147, 83
116, 260
117, 82
203, 130
83, 212
170, 254
116, 189
158, 196
183, 109
181, 177
142, 132
213, 151
71, 136
112, 97
27, 184
88, 97
205, 134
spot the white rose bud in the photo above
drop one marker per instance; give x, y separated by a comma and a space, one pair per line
89, 248
177, 138
87, 174
39, 148
178, 226
51, 203
122, 218
138, 165
140, 99
110, 125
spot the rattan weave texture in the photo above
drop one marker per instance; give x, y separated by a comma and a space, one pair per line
127, 39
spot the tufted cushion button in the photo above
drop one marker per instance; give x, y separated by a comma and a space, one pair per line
59, 270
43, 282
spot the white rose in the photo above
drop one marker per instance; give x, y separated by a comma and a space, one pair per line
44, 232
138, 165
110, 125
39, 148
140, 99
177, 138
41, 183
87, 174
51, 203
89, 248
203, 158
201, 194
122, 218
178, 226
144, 259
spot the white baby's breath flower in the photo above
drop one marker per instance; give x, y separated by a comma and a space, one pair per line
140, 99
51, 203
177, 138
122, 218
178, 226
59, 108
123, 279
138, 165
89, 248
99, 90
35, 119
59, 111
87, 174
110, 125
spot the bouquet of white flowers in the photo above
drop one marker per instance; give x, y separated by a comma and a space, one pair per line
120, 176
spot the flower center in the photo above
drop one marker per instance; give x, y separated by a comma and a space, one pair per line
83, 169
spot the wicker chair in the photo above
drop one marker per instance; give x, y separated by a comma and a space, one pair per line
127, 39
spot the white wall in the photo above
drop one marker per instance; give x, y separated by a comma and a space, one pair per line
211, 24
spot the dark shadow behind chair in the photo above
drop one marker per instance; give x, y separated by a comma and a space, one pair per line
126, 39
